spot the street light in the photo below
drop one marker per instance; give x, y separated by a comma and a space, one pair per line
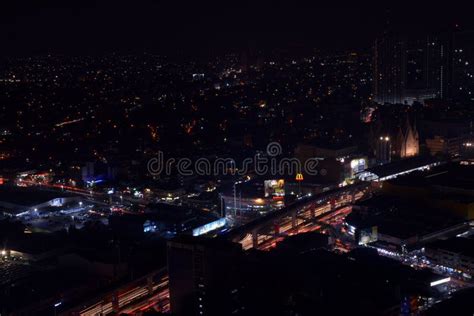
56, 305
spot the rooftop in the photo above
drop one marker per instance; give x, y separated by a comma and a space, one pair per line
37, 243
459, 245
401, 166
449, 175
400, 218
28, 196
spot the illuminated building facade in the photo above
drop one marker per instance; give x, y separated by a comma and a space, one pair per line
455, 254
390, 138
408, 142
445, 145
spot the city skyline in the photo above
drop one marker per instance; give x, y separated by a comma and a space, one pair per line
212, 159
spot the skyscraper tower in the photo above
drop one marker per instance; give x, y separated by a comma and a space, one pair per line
407, 69
204, 277
388, 78
461, 66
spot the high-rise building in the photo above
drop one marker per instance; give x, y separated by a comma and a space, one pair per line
407, 70
388, 79
203, 276
460, 66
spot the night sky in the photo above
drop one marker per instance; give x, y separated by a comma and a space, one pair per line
77, 27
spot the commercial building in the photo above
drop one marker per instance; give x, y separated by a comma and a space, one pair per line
170, 220
455, 253
402, 224
459, 303
398, 168
450, 146
15, 201
447, 187
337, 162
202, 278
324, 150
36, 247
211, 277
253, 198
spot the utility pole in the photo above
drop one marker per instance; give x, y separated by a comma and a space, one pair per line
235, 199
222, 206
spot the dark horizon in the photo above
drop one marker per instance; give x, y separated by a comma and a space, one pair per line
96, 27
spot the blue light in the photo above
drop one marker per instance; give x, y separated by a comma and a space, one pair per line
204, 229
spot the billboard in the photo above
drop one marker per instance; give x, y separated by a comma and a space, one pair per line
274, 188
368, 235
357, 166
204, 229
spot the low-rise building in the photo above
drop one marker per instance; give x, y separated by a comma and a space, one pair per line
402, 224
456, 253
19, 200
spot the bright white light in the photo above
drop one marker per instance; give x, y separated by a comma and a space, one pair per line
354, 163
209, 227
435, 283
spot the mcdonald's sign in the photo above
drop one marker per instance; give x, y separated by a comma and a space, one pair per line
299, 177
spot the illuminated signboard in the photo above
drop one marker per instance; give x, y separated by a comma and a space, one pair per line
368, 235
357, 166
204, 229
57, 202
274, 188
